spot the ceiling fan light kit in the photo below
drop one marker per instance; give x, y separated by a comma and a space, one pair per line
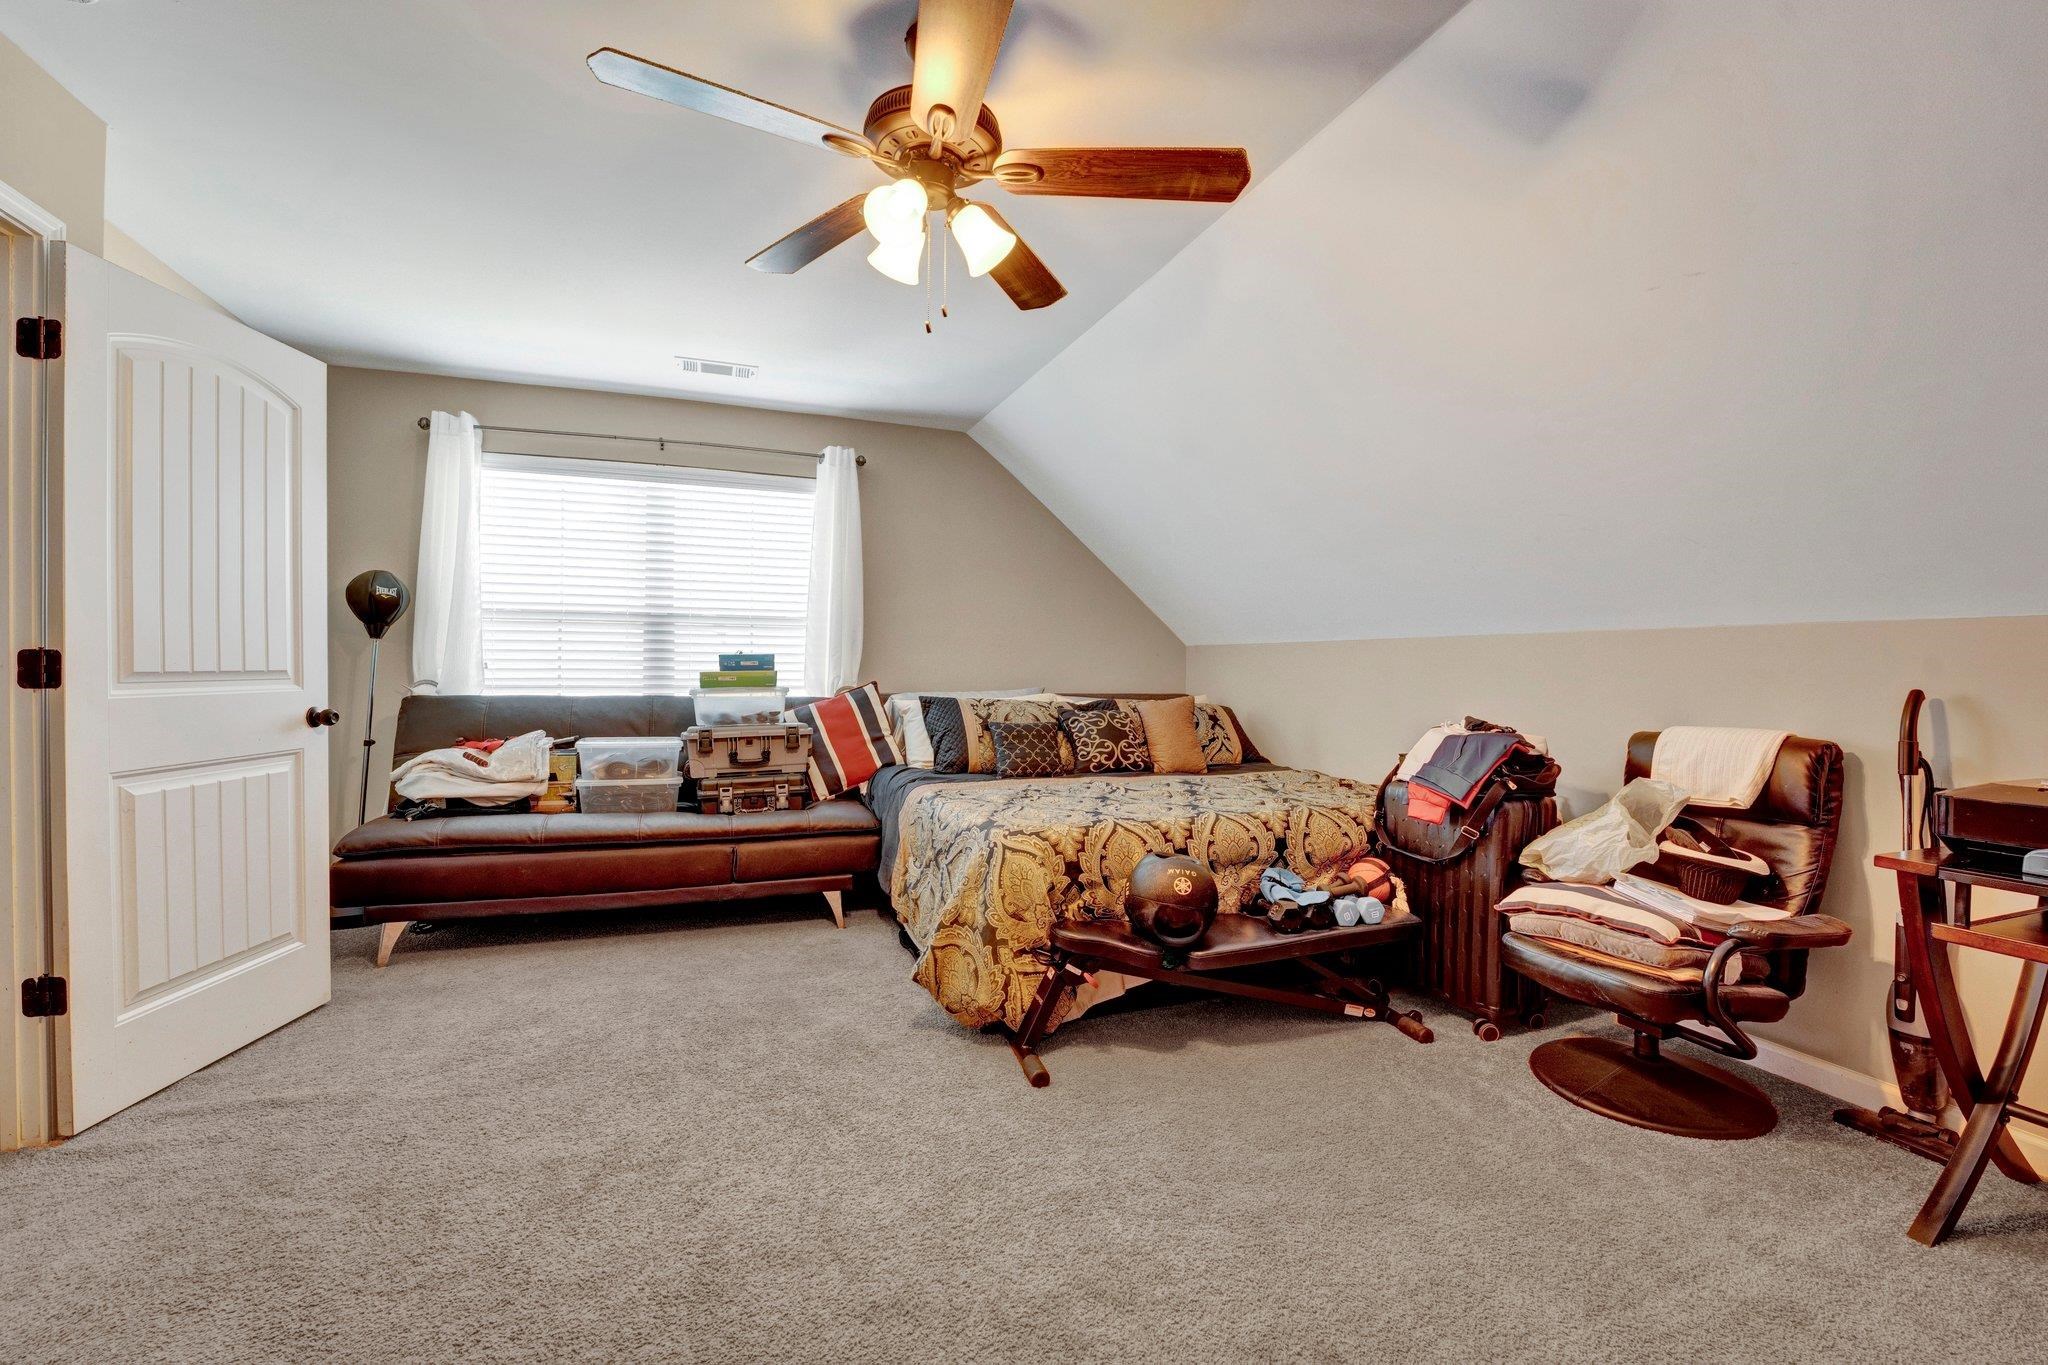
933, 138
900, 259
981, 240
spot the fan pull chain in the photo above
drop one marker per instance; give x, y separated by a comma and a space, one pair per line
927, 278
945, 279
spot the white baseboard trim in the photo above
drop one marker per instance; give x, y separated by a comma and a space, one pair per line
1865, 1092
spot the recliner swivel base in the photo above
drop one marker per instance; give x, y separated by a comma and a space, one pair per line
1639, 1084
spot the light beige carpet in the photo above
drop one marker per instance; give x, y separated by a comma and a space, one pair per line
743, 1135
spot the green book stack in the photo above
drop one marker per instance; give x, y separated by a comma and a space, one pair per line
737, 677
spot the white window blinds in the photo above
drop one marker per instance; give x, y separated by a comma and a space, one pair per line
606, 577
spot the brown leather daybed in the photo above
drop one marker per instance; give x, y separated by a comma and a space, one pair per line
393, 872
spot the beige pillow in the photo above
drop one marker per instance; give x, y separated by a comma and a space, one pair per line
1171, 735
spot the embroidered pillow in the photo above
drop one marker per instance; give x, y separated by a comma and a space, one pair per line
1170, 735
850, 740
906, 719
1224, 741
947, 731
1033, 748
978, 713
1111, 741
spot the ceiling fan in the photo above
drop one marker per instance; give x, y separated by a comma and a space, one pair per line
933, 138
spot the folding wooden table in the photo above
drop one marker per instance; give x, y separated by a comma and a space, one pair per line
1989, 1100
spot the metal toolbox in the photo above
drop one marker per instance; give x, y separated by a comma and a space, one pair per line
1461, 960
728, 752
737, 795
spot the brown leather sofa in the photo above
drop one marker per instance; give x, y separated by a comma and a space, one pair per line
394, 872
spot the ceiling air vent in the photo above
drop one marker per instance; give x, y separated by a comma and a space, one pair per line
723, 369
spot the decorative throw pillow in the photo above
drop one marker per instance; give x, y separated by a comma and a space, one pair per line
906, 719
1224, 741
1171, 735
978, 713
1033, 748
945, 727
850, 740
1111, 741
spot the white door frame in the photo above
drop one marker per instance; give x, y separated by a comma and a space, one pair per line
27, 607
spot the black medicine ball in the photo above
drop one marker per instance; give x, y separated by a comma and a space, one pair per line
1172, 900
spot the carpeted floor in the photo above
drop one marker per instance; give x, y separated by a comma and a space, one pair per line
747, 1136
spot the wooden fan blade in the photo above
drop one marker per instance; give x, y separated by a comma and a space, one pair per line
812, 240
1214, 175
1021, 274
643, 77
956, 50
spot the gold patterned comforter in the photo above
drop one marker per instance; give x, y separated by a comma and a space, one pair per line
982, 870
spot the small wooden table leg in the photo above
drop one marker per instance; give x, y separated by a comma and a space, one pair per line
388, 935
1924, 903
1059, 979
1951, 1193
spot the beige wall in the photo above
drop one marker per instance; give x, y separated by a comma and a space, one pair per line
52, 148
134, 257
970, 582
1350, 707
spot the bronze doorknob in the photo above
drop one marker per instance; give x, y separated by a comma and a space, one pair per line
318, 716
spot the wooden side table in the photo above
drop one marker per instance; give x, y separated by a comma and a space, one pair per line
1989, 1101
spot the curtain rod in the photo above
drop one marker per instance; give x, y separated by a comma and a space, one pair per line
663, 441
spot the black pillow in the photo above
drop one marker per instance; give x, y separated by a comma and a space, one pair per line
1029, 749
1109, 741
943, 722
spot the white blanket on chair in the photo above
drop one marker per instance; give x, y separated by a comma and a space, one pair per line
1717, 766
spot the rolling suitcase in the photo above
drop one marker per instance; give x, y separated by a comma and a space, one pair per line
1461, 931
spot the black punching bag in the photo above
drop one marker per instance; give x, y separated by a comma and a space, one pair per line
377, 598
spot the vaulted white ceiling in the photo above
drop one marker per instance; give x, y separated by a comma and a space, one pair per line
443, 186
1595, 314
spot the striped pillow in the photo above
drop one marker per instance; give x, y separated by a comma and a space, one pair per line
850, 740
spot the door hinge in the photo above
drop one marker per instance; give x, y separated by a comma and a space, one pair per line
39, 670
38, 338
44, 997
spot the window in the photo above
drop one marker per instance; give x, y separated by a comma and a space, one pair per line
606, 577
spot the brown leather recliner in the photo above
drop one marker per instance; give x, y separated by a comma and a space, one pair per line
1793, 826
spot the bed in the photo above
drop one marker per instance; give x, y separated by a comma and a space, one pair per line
978, 868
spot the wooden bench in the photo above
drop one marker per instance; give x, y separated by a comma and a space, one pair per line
1234, 945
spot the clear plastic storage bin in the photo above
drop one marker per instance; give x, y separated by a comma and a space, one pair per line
634, 796
739, 705
629, 756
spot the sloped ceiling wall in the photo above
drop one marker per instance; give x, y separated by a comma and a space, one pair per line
1595, 314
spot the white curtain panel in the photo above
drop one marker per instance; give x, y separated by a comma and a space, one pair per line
447, 635
832, 623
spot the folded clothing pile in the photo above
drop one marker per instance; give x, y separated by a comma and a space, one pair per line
1646, 924
1451, 766
511, 771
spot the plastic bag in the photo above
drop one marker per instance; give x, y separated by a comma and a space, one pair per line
1602, 844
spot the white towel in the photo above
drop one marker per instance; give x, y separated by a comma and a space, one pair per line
516, 768
1722, 767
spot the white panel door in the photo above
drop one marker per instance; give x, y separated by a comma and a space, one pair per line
194, 790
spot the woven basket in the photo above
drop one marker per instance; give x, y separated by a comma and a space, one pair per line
1703, 878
